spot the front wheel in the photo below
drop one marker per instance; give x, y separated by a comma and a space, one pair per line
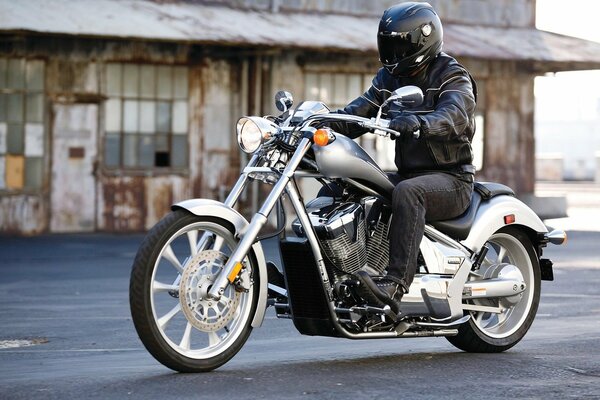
510, 252
173, 270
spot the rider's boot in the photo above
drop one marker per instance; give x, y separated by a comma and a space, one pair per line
380, 291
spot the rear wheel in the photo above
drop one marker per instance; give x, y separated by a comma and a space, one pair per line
510, 253
174, 269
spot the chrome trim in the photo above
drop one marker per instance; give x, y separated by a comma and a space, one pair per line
258, 221
557, 236
212, 208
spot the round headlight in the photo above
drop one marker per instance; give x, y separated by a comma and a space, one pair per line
252, 132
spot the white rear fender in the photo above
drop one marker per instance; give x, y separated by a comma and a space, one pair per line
212, 208
491, 217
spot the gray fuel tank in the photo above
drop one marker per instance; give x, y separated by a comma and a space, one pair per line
344, 158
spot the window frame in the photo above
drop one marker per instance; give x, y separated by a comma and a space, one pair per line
41, 123
138, 98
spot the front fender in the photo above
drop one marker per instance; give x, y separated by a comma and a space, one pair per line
212, 208
490, 218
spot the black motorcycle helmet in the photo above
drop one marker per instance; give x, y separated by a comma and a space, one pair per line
410, 35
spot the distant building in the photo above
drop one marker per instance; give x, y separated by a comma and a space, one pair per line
112, 110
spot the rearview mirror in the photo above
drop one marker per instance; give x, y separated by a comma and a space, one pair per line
283, 100
407, 96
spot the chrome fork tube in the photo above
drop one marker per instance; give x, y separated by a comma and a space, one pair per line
258, 221
239, 186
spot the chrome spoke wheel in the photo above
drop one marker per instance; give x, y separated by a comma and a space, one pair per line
174, 270
507, 257
512, 256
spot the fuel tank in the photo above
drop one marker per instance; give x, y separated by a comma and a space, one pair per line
344, 158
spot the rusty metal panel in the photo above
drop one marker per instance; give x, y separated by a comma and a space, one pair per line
122, 204
485, 29
23, 214
161, 193
509, 130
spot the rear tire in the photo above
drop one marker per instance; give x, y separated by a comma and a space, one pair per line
185, 333
493, 333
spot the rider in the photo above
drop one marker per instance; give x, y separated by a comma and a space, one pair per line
435, 172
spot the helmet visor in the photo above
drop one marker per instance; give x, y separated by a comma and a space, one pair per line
395, 46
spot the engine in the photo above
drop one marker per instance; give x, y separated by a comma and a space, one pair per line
353, 236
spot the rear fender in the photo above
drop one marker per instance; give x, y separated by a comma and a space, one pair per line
212, 208
490, 218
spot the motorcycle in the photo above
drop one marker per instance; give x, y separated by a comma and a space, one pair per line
200, 281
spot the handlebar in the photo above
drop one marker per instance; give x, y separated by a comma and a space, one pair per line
381, 128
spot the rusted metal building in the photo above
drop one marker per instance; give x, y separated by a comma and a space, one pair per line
110, 110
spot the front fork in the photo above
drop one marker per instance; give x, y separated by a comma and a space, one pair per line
234, 264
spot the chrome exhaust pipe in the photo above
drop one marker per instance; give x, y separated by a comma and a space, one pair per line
490, 288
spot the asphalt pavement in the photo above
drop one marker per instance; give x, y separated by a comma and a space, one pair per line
66, 332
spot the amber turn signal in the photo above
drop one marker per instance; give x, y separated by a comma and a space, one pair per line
321, 137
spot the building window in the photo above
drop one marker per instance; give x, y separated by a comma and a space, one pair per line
146, 116
338, 89
478, 142
22, 106
335, 90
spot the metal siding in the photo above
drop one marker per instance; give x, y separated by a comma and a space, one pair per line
484, 29
509, 142
23, 214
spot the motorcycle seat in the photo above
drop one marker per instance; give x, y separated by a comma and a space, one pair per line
459, 227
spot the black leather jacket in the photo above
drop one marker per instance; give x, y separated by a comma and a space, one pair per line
446, 115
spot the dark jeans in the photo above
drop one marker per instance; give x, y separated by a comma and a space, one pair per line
418, 198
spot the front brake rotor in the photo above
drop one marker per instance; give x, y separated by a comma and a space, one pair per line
205, 314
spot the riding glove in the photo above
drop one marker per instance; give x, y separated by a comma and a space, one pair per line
405, 124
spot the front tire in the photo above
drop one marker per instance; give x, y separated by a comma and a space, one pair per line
493, 333
172, 271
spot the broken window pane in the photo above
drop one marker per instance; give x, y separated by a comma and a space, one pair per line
131, 79
147, 118
14, 139
35, 107
33, 172
146, 151
112, 150
15, 107
180, 117
130, 116
16, 76
130, 150
113, 79
35, 75
163, 116
180, 83
147, 81
113, 115
179, 153
164, 89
